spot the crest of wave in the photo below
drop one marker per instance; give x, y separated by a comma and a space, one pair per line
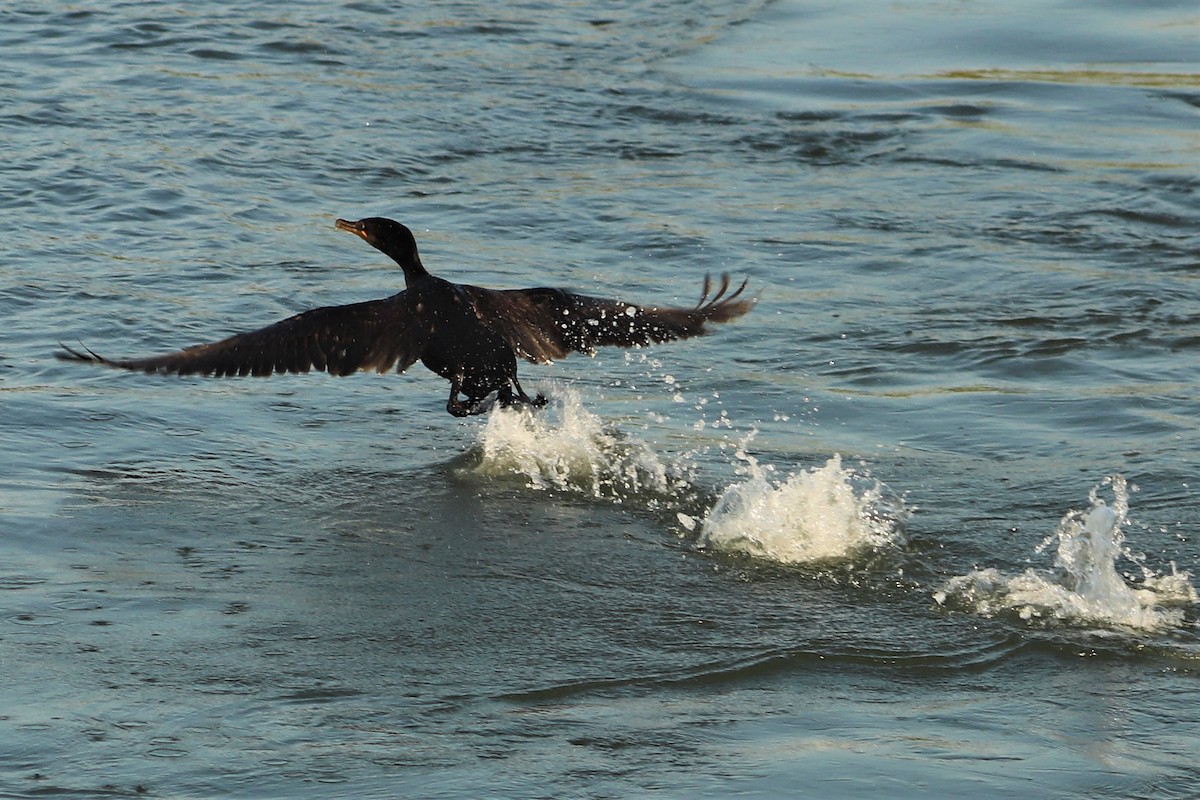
564, 446
1084, 586
818, 514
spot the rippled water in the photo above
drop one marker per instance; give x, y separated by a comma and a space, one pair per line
922, 524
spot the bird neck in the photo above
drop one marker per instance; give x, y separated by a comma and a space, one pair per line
410, 262
414, 270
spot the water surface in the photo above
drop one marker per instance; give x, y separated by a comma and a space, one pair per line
922, 524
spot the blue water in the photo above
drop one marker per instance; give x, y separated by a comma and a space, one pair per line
922, 524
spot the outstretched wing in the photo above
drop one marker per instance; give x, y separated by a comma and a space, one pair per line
340, 340
545, 324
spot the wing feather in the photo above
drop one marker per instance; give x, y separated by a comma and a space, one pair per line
340, 340
546, 324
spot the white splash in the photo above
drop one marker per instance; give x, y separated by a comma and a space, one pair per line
818, 514
1084, 586
566, 447
824, 513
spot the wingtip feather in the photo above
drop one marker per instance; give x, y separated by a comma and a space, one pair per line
723, 305
71, 354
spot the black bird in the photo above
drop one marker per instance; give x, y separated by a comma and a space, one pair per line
467, 334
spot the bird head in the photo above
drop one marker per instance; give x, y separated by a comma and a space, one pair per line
389, 237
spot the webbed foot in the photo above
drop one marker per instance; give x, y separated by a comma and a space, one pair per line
505, 397
470, 407
536, 402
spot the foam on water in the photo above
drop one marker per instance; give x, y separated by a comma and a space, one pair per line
818, 514
566, 447
827, 512
1084, 585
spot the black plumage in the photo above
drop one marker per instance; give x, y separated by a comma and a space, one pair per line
469, 335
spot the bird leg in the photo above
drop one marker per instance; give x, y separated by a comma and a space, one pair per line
472, 405
479, 405
455, 406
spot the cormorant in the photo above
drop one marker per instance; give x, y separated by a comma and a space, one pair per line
469, 335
